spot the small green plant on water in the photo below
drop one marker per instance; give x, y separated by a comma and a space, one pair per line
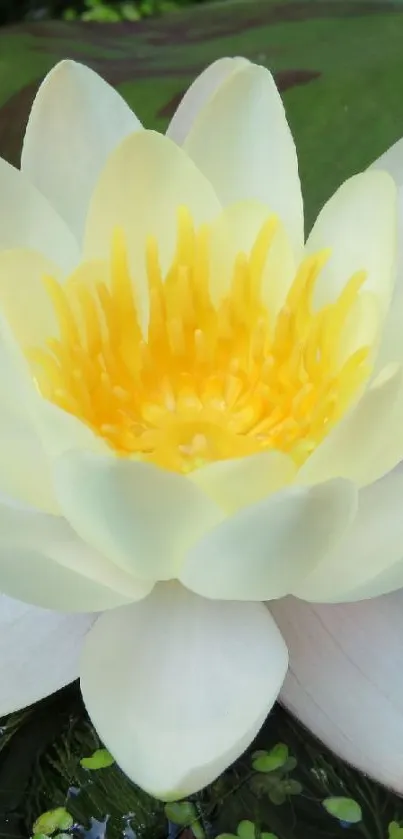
272, 774
247, 830
184, 814
346, 810
52, 822
100, 759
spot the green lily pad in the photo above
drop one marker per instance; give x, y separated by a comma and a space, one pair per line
395, 831
246, 830
344, 809
182, 813
269, 761
100, 759
52, 820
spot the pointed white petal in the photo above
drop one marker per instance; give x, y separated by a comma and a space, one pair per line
39, 652
264, 549
345, 681
241, 141
76, 120
190, 682
368, 560
359, 225
27, 220
43, 562
392, 161
142, 517
199, 93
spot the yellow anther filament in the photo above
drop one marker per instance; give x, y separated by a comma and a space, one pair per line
205, 380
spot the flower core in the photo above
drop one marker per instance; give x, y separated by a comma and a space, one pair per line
206, 381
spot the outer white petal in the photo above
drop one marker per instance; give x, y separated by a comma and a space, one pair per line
264, 549
368, 560
345, 681
392, 161
27, 220
145, 180
24, 468
368, 441
142, 517
199, 93
359, 225
76, 120
391, 345
241, 141
39, 652
43, 562
190, 682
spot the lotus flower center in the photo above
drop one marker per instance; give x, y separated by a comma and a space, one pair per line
205, 380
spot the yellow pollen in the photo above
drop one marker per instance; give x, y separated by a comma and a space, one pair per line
205, 381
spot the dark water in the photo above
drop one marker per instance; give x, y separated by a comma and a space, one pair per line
40, 770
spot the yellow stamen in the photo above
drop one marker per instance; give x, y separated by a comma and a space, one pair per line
207, 381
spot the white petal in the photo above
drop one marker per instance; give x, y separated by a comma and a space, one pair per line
392, 161
359, 225
391, 345
241, 141
76, 120
368, 442
24, 300
345, 681
190, 682
199, 93
264, 549
233, 484
43, 562
140, 189
24, 467
27, 220
142, 517
39, 652
368, 560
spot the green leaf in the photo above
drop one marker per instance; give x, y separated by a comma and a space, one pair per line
226, 836
291, 787
197, 830
277, 795
269, 761
289, 765
52, 820
246, 830
181, 812
100, 759
395, 831
344, 809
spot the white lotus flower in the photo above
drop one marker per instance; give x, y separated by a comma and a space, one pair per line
195, 410
344, 680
